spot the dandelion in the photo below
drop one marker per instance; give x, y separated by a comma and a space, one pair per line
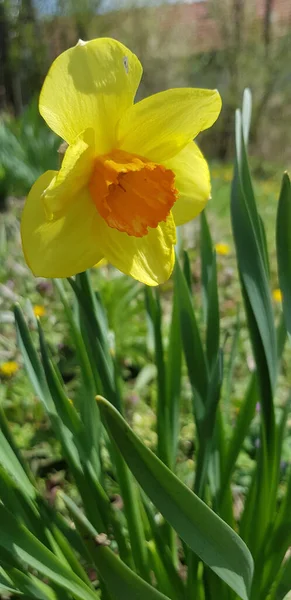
9, 368
39, 310
130, 172
222, 249
277, 295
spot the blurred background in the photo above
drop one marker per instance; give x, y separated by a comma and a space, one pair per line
224, 44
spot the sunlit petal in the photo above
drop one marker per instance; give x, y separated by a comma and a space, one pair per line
64, 246
160, 126
90, 85
73, 175
149, 259
192, 181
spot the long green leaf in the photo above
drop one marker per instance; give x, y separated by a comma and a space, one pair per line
200, 528
173, 376
11, 463
28, 549
31, 586
6, 584
246, 414
284, 584
153, 307
192, 344
253, 271
31, 361
121, 582
253, 275
283, 239
88, 409
209, 292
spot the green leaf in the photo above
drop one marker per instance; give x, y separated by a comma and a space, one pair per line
120, 581
66, 412
88, 409
11, 463
277, 545
284, 584
209, 292
6, 584
31, 361
206, 257
96, 326
194, 354
30, 550
254, 274
208, 426
246, 414
31, 586
230, 371
283, 239
187, 269
70, 431
153, 308
246, 113
213, 323
164, 551
200, 528
173, 375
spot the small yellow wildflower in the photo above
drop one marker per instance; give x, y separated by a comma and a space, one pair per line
215, 173
39, 310
9, 368
129, 175
227, 174
222, 249
223, 172
277, 295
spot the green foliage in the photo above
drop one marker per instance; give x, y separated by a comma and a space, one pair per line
129, 527
27, 149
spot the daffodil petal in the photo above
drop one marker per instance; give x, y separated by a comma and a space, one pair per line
160, 126
149, 259
64, 246
90, 85
73, 175
192, 180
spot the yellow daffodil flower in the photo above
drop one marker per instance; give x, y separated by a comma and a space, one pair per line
39, 310
222, 249
9, 368
277, 295
129, 175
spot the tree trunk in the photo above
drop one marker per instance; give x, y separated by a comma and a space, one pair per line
6, 83
267, 24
